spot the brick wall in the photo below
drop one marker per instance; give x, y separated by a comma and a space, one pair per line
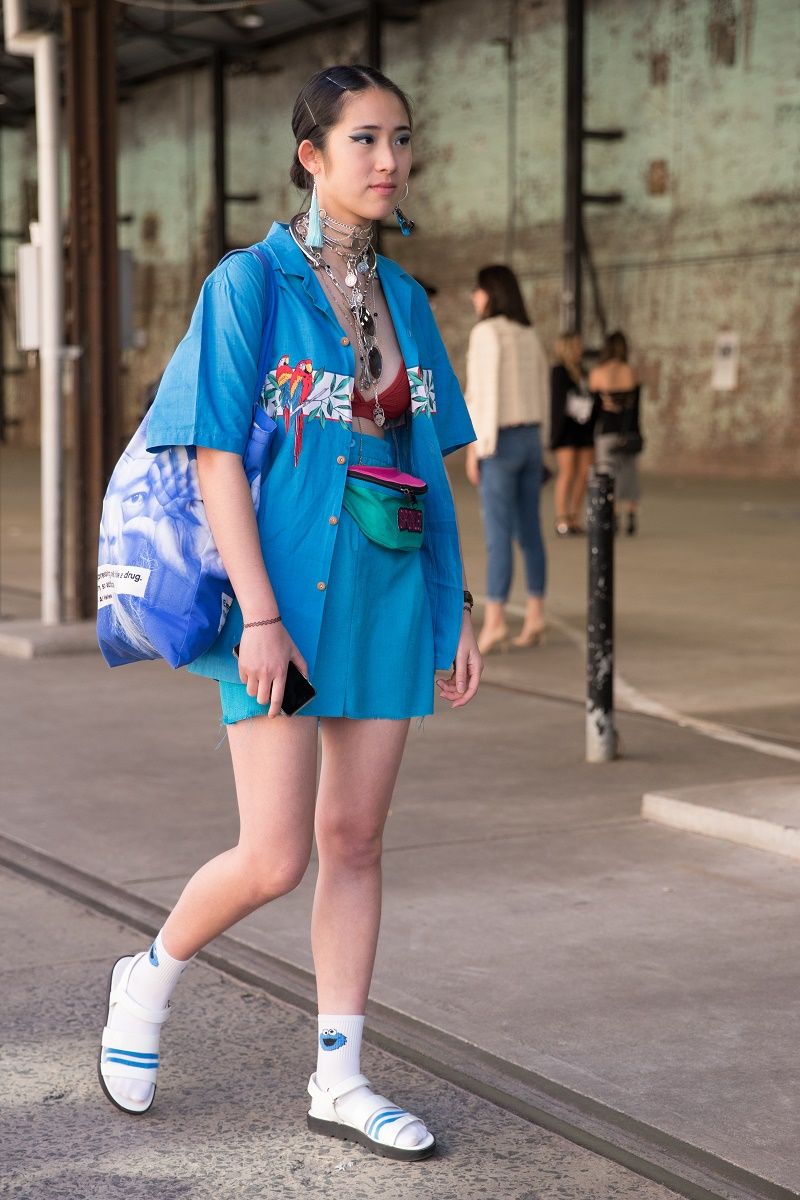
705, 240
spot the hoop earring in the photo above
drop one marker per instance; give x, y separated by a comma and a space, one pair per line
407, 226
313, 236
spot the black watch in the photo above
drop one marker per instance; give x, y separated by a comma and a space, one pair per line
468, 600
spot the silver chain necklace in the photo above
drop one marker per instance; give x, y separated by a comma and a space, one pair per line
360, 275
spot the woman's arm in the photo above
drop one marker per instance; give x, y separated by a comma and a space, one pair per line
543, 392
468, 667
265, 651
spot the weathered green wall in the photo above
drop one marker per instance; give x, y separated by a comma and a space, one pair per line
708, 94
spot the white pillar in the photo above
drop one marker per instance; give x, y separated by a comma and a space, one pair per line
43, 48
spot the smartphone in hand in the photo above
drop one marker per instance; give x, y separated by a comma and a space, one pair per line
298, 691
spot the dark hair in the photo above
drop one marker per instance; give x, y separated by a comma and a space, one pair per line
615, 347
319, 104
505, 298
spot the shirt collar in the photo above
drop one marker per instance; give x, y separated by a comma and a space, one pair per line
397, 287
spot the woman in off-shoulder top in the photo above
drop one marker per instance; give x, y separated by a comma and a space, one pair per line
618, 439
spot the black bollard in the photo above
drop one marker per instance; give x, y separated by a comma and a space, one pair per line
601, 736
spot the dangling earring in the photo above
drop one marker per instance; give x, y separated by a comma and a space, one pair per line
313, 236
405, 223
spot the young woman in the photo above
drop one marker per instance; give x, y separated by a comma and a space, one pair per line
572, 414
358, 375
508, 400
618, 438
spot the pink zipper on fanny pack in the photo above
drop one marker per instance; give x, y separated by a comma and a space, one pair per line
390, 477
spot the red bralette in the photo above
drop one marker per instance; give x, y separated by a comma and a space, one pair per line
394, 400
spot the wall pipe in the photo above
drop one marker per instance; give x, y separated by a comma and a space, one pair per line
42, 47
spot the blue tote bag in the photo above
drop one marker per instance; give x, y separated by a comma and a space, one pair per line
162, 591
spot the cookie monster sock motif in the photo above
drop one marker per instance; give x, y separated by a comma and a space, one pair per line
154, 977
338, 1048
339, 1057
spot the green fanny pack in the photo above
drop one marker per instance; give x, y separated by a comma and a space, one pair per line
386, 506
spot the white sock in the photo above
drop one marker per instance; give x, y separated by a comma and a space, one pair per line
153, 979
151, 983
338, 1048
339, 1057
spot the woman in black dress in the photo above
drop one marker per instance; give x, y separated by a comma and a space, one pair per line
572, 416
618, 435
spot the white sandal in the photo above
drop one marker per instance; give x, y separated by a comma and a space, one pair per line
378, 1121
129, 1055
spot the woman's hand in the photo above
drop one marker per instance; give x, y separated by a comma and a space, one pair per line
467, 669
264, 655
471, 466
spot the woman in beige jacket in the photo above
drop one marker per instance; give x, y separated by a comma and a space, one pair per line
508, 396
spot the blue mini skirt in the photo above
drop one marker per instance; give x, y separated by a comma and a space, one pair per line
375, 654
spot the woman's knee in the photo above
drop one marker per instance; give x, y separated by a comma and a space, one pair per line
268, 874
355, 844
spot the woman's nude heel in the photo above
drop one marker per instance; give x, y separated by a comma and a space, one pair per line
497, 639
533, 637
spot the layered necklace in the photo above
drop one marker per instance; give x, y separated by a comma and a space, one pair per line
353, 244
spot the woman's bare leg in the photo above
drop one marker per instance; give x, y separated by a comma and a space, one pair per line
275, 767
360, 762
274, 764
566, 460
584, 457
494, 630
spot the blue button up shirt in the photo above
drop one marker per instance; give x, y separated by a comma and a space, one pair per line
206, 399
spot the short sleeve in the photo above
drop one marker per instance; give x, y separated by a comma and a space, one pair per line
208, 389
451, 419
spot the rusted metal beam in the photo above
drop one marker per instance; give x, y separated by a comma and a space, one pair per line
571, 308
374, 15
220, 233
93, 297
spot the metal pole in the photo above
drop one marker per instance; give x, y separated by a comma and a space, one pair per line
573, 156
374, 15
374, 31
94, 292
601, 736
220, 233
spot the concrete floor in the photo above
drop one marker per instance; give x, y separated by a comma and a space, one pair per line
529, 909
229, 1117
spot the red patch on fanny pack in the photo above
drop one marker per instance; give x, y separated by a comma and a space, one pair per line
409, 520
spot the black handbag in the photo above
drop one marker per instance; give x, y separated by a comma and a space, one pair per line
630, 443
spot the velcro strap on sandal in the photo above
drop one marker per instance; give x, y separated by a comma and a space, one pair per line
121, 997
347, 1085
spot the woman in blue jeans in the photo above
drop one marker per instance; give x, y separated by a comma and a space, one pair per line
508, 396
